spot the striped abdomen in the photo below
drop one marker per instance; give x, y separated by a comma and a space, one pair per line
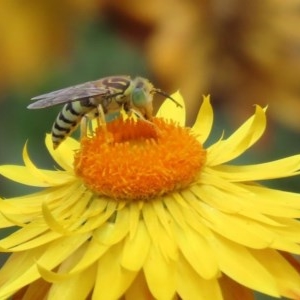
68, 119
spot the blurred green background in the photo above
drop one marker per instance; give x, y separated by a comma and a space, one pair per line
236, 55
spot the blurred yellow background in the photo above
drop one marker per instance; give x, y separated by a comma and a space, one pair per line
242, 53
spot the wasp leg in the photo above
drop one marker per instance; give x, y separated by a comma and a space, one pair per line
84, 127
142, 118
137, 114
101, 122
101, 116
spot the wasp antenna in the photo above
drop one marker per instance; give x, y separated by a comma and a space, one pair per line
160, 92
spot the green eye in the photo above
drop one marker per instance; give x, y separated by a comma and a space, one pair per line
139, 97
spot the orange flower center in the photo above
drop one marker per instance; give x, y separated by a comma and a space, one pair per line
139, 160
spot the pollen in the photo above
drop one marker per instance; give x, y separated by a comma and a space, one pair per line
139, 160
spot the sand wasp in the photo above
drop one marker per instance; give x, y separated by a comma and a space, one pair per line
108, 95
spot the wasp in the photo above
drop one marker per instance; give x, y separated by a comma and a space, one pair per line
107, 95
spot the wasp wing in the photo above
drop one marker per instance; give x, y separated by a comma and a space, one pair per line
73, 93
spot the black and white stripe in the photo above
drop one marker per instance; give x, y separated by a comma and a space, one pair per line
68, 119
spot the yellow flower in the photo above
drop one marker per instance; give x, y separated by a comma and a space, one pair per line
145, 212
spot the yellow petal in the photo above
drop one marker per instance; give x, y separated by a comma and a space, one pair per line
175, 211
31, 236
111, 233
197, 252
204, 121
63, 281
91, 255
274, 202
280, 168
112, 280
64, 215
162, 214
77, 287
238, 228
33, 176
170, 111
160, 274
20, 270
59, 250
9, 221
289, 231
96, 221
239, 141
286, 277
193, 214
136, 249
248, 203
280, 242
64, 154
45, 178
25, 209
32, 202
191, 286
215, 197
239, 197
88, 254
134, 216
159, 237
238, 263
